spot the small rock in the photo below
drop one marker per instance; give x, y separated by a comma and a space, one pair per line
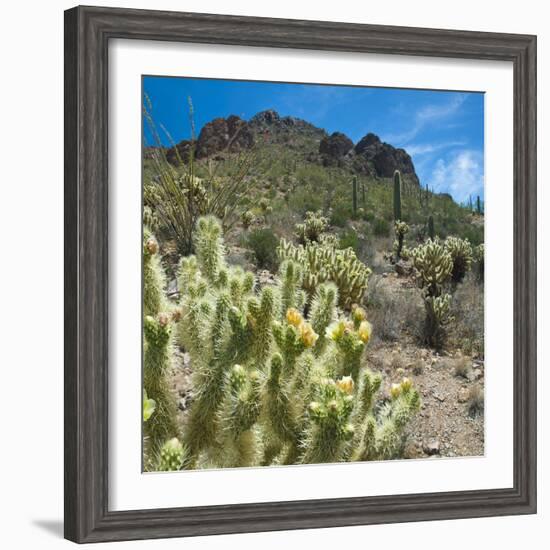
432, 447
439, 397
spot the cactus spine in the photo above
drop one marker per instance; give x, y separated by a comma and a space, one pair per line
397, 196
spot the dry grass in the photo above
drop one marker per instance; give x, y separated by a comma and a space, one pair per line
393, 310
468, 311
462, 367
476, 401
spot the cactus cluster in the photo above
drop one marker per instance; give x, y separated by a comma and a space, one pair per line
315, 224
247, 219
462, 255
324, 262
434, 265
276, 379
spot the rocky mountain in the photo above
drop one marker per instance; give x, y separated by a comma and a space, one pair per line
369, 156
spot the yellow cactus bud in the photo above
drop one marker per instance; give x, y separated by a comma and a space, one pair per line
163, 319
406, 385
152, 245
176, 314
359, 314
294, 317
336, 330
395, 390
365, 330
346, 384
308, 335
314, 407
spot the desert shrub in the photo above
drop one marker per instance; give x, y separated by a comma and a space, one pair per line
393, 310
340, 215
476, 400
381, 228
462, 367
318, 402
349, 239
263, 244
178, 196
468, 313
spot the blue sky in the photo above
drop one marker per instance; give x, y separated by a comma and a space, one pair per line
442, 131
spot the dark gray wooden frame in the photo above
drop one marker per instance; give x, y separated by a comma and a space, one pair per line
87, 34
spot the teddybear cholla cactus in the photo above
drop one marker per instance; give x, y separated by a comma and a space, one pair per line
323, 262
313, 227
434, 265
462, 254
270, 384
399, 249
479, 259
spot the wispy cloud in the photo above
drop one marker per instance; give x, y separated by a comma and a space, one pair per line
300, 98
461, 175
426, 116
428, 148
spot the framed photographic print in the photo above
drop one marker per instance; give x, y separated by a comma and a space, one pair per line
300, 274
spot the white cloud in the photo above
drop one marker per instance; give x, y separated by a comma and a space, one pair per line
461, 176
427, 148
426, 116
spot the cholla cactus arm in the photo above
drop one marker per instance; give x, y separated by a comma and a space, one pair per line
330, 429
323, 310
279, 416
404, 404
172, 456
263, 327
242, 409
350, 342
208, 241
156, 362
209, 383
462, 255
290, 276
154, 279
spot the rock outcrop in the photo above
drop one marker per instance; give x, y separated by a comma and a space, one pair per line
231, 134
334, 148
373, 156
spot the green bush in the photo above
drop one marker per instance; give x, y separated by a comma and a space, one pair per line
263, 244
381, 228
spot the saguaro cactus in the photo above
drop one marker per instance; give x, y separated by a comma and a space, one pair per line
397, 196
431, 228
354, 195
478, 205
